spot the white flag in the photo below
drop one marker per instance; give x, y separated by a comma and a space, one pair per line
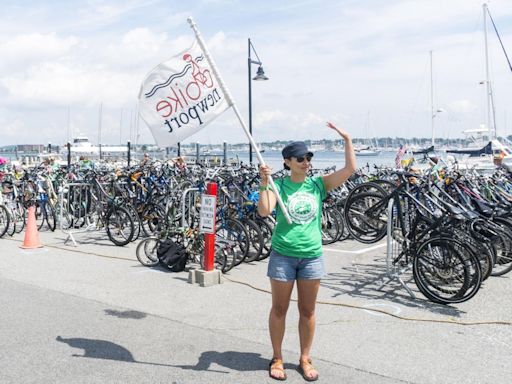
180, 97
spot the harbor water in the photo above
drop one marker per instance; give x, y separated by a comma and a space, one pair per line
321, 159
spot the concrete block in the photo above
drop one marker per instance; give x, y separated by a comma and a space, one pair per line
207, 278
192, 279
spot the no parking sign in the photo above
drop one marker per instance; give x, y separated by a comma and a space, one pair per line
207, 214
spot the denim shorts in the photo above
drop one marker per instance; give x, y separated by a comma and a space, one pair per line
288, 268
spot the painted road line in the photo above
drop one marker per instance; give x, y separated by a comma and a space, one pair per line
358, 252
384, 307
150, 271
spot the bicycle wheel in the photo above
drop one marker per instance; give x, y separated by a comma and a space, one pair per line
445, 271
344, 232
228, 248
233, 230
40, 214
367, 187
502, 245
51, 221
481, 247
330, 225
11, 230
63, 215
256, 240
146, 251
151, 216
19, 217
366, 217
221, 259
5, 219
266, 234
136, 220
387, 185
120, 227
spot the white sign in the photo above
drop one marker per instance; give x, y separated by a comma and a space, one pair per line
207, 214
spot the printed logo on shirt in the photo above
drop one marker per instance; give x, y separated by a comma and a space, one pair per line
302, 207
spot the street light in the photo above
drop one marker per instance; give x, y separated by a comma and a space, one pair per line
260, 75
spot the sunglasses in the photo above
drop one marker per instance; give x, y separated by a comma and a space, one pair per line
301, 159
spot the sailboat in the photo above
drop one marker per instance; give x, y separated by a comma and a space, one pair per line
367, 149
486, 151
427, 151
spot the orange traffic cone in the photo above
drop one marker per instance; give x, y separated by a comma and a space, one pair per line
31, 234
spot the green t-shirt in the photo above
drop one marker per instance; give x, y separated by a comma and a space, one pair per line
303, 237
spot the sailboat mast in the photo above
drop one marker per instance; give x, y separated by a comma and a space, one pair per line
432, 99
100, 118
68, 124
490, 126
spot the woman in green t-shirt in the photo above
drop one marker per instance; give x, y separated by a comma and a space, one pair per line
297, 246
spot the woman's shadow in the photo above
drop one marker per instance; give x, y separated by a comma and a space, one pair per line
236, 361
98, 349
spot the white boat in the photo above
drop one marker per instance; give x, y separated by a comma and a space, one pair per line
81, 146
483, 155
367, 151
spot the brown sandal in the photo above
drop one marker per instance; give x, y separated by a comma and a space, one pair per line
304, 368
276, 365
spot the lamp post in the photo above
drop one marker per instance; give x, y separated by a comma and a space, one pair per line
260, 75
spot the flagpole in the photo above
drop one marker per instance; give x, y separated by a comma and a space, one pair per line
231, 102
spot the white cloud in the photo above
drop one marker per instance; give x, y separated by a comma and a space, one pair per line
278, 124
266, 117
22, 50
60, 85
462, 106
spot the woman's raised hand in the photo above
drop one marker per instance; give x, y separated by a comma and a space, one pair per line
340, 131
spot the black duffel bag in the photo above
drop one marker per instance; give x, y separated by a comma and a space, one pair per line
172, 255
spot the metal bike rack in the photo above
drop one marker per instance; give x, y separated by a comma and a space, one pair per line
184, 206
393, 272
74, 193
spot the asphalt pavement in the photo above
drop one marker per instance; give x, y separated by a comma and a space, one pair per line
93, 314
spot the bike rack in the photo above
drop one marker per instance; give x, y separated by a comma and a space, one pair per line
80, 215
393, 272
183, 204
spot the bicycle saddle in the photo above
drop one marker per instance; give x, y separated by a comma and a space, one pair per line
455, 212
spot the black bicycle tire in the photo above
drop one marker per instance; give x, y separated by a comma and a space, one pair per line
151, 217
19, 217
128, 218
256, 240
330, 225
358, 233
459, 294
267, 237
51, 219
142, 250
4, 213
503, 263
240, 235
136, 220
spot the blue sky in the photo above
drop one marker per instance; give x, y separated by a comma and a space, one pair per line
362, 64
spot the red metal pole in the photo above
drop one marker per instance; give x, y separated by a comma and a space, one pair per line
209, 238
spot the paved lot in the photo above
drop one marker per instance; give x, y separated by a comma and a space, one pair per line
93, 314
